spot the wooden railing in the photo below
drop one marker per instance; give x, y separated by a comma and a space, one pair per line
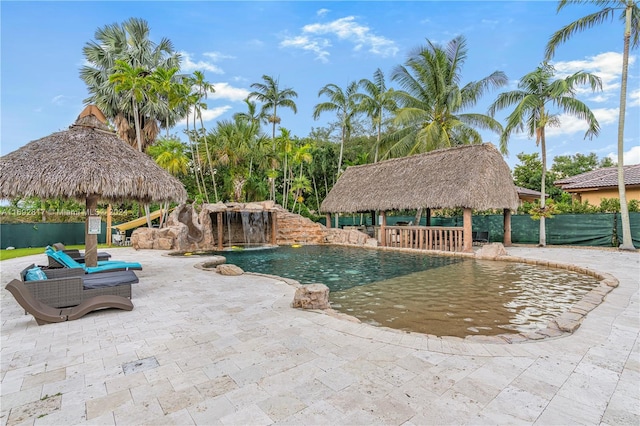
423, 237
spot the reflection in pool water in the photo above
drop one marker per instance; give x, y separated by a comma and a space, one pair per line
437, 295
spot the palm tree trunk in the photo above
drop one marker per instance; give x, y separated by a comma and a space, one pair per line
147, 215
315, 190
543, 230
273, 129
136, 120
627, 242
418, 217
206, 146
326, 185
375, 158
193, 157
200, 167
284, 183
341, 151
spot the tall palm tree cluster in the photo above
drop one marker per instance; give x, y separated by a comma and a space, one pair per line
138, 86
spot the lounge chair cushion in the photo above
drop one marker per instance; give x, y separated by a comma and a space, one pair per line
109, 279
107, 265
35, 274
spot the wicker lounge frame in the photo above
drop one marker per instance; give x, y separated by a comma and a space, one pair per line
65, 287
45, 314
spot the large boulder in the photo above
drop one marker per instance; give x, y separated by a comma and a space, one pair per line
312, 296
491, 251
229, 269
153, 238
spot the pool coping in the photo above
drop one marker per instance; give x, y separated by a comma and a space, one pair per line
562, 326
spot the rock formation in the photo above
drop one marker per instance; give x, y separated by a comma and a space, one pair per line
311, 296
188, 230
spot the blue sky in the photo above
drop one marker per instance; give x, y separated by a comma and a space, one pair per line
308, 45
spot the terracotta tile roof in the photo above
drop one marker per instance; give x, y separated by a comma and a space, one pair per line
527, 191
601, 178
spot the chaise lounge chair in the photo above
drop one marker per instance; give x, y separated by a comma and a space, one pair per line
65, 287
78, 256
45, 314
59, 259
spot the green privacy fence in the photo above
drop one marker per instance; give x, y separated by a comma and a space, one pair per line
599, 230
21, 235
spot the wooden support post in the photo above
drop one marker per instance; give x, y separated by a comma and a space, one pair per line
468, 240
220, 230
274, 228
90, 240
328, 220
383, 230
507, 228
108, 232
428, 217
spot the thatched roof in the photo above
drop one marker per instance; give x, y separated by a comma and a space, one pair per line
474, 176
86, 159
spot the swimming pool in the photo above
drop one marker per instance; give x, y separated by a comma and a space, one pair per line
439, 295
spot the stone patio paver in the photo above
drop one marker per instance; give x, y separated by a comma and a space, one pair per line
231, 351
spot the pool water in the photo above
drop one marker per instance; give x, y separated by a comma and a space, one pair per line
339, 268
439, 295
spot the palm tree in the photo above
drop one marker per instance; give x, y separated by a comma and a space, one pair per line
234, 143
430, 106
301, 155
187, 98
128, 42
272, 97
376, 100
136, 83
631, 19
252, 115
343, 102
170, 154
166, 85
202, 88
536, 91
286, 144
299, 185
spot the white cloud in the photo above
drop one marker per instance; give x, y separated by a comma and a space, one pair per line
632, 156
607, 66
318, 46
322, 12
207, 114
606, 115
346, 29
226, 91
570, 124
634, 98
188, 65
60, 100
217, 56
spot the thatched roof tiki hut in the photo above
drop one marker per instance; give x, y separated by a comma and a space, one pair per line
468, 177
86, 162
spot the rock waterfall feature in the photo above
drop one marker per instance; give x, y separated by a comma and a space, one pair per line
219, 226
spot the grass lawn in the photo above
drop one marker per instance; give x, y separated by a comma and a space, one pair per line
11, 254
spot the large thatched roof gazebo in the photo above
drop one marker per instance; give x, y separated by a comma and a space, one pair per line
86, 162
468, 177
